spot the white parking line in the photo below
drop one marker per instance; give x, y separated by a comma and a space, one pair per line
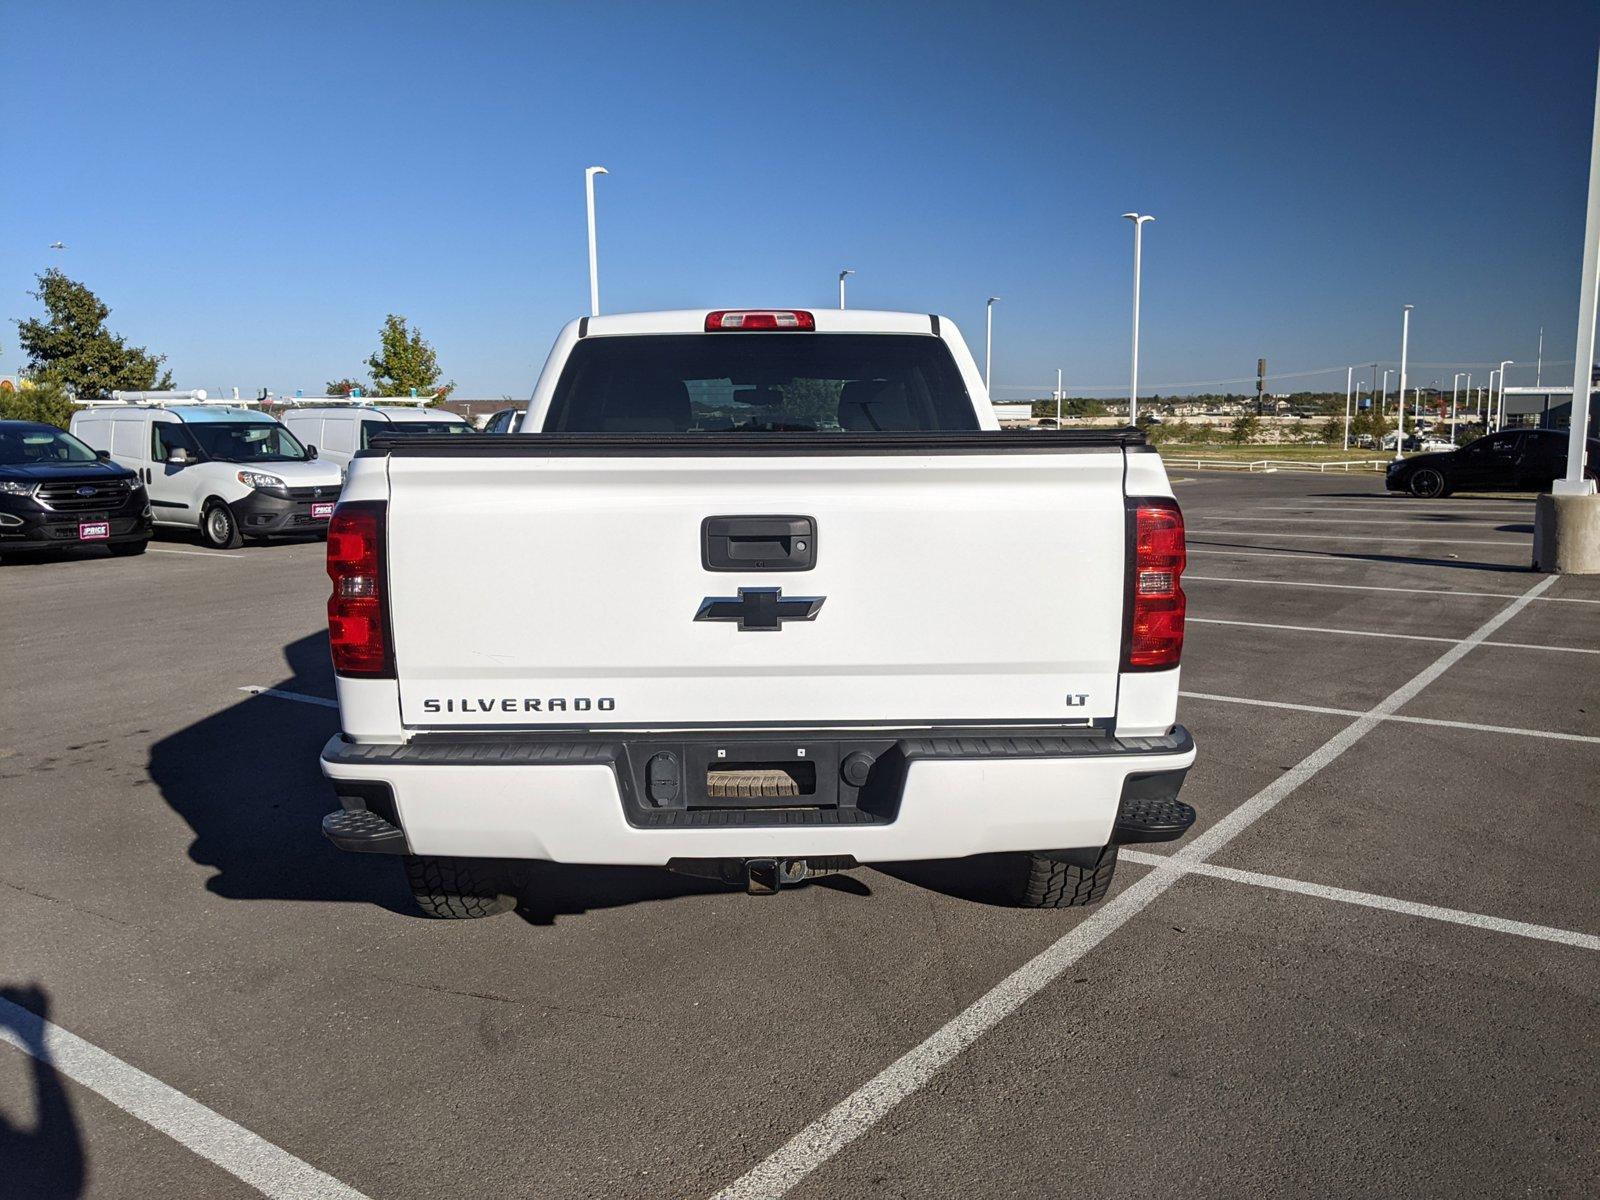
1337, 556
1441, 722
872, 1101
1342, 537
195, 553
300, 696
1373, 633
247, 1156
1410, 908
1371, 587
1357, 506
1343, 521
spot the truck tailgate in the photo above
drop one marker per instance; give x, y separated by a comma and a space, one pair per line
540, 590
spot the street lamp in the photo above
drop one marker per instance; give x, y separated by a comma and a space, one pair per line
1488, 405
1405, 345
1058, 397
1138, 220
1455, 385
1500, 408
594, 260
842, 274
988, 344
1384, 398
1349, 379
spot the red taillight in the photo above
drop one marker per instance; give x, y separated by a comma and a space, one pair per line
1155, 586
358, 615
769, 319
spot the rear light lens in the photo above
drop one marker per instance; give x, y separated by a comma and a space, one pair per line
358, 609
766, 318
1155, 586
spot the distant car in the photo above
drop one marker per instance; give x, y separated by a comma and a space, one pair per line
506, 420
1433, 445
56, 492
1513, 460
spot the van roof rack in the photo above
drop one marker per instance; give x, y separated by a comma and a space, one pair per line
354, 401
198, 396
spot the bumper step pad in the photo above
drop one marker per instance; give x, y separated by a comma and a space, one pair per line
363, 832
1151, 819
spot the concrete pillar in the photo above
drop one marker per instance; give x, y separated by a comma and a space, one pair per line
1566, 535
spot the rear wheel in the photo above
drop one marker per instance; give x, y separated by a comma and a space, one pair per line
218, 529
1063, 878
457, 889
128, 549
1426, 483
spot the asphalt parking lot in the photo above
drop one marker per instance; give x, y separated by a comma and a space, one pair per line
1372, 969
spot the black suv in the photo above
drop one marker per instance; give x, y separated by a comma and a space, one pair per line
55, 493
1513, 460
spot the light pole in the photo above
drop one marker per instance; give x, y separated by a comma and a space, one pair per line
1488, 405
1455, 385
594, 259
1500, 408
1384, 398
1138, 220
842, 274
1405, 346
1538, 366
1349, 379
988, 344
1574, 483
1058, 397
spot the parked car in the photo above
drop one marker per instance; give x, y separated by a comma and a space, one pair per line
226, 471
506, 420
1514, 460
754, 560
56, 492
340, 430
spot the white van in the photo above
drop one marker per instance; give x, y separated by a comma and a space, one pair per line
338, 429
219, 468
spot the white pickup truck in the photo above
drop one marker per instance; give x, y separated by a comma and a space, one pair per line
767, 594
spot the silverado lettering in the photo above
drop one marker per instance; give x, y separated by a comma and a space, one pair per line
512, 704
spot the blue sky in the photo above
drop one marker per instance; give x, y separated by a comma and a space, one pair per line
251, 188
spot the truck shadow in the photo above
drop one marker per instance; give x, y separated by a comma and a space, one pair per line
247, 782
43, 1159
1363, 556
980, 879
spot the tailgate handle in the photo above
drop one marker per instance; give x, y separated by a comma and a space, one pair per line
758, 543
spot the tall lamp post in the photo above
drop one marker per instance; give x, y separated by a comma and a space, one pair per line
594, 259
1455, 385
1349, 379
1488, 405
1058, 397
1574, 483
1500, 408
842, 274
988, 344
1405, 346
1138, 220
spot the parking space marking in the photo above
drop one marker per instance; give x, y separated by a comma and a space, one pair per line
270, 1169
282, 695
1344, 537
1369, 587
195, 553
1356, 555
1410, 908
1374, 633
1345, 520
1473, 726
872, 1101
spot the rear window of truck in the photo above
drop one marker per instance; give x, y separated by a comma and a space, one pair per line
760, 383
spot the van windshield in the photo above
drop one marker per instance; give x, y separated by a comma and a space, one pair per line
760, 383
246, 441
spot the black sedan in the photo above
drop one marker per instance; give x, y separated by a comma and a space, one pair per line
55, 493
1513, 460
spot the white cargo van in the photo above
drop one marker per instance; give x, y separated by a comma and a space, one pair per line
218, 467
340, 427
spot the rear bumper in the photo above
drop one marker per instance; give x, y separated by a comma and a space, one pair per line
932, 794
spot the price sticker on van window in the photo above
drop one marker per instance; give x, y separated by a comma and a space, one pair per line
321, 512
93, 531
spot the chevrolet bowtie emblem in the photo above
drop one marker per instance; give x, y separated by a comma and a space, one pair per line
760, 608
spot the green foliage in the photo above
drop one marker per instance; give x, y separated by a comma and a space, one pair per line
1071, 406
343, 387
1333, 430
46, 402
405, 361
72, 348
1244, 428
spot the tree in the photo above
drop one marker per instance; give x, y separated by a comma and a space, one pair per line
72, 348
343, 387
46, 402
1244, 429
405, 361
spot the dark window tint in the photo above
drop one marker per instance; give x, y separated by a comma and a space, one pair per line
373, 429
167, 436
760, 382
247, 442
25, 445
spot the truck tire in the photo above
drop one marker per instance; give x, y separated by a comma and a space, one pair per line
218, 527
1064, 878
456, 889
